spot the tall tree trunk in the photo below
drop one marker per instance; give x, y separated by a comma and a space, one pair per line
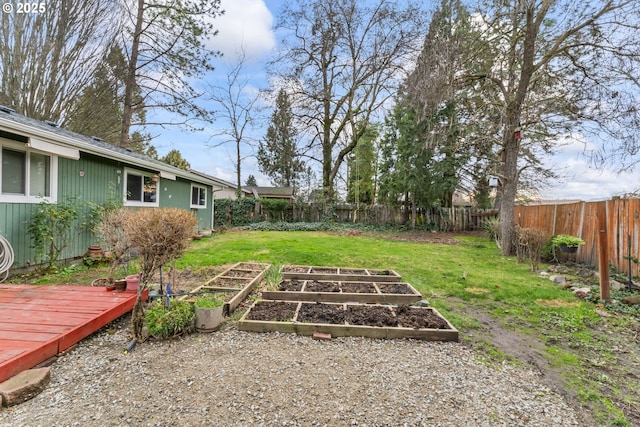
130, 82
414, 211
238, 174
509, 173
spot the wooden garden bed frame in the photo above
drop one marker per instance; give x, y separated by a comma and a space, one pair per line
364, 297
344, 330
241, 291
338, 274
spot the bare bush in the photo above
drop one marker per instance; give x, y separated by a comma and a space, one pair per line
160, 236
530, 244
113, 238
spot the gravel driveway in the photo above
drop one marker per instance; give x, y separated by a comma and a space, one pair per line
234, 378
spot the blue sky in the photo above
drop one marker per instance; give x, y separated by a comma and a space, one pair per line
249, 24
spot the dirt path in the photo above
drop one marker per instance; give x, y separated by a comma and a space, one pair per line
620, 375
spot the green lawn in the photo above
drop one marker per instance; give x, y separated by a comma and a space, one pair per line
471, 271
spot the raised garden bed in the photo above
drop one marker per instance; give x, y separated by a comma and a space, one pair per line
340, 274
373, 321
336, 291
233, 284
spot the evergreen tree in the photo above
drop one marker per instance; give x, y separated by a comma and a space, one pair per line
251, 181
174, 158
278, 156
362, 169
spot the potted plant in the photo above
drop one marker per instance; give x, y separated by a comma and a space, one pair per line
209, 313
567, 243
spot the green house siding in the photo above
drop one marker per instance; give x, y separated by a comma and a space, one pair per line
14, 218
96, 180
177, 194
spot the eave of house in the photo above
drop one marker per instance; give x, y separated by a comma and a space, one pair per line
70, 140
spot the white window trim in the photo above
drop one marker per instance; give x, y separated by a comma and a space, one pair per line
205, 196
53, 179
136, 203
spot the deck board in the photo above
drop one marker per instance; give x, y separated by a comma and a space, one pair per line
38, 322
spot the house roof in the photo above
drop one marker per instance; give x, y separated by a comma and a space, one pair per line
50, 133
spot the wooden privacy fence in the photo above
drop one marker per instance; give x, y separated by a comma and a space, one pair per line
580, 219
246, 211
458, 218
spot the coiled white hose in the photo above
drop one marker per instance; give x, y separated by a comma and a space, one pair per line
6, 258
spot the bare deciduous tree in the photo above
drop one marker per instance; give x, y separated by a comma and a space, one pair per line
236, 100
47, 59
344, 58
557, 65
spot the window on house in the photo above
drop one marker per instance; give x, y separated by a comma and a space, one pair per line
26, 176
198, 197
141, 189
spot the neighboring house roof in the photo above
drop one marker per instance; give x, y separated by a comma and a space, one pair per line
53, 137
221, 182
271, 192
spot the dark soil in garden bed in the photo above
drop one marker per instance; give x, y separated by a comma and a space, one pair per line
324, 270
371, 316
229, 281
240, 273
291, 285
295, 269
315, 286
394, 288
416, 318
321, 313
353, 271
381, 273
358, 288
273, 311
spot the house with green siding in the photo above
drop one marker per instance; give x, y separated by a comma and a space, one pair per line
40, 161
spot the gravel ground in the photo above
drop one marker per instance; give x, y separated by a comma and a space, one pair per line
234, 378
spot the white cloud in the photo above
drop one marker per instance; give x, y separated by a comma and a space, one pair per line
579, 179
246, 24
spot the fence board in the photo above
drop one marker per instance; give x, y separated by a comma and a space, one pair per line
580, 219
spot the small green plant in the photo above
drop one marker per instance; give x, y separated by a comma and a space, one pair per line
491, 229
208, 301
273, 277
567, 240
166, 322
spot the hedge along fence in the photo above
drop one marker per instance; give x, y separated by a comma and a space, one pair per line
580, 219
248, 210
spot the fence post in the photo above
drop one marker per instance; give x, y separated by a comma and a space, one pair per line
603, 251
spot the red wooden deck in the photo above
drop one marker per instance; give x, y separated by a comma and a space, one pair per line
38, 322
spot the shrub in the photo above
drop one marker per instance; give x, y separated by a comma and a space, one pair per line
50, 228
530, 244
568, 240
166, 322
113, 238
